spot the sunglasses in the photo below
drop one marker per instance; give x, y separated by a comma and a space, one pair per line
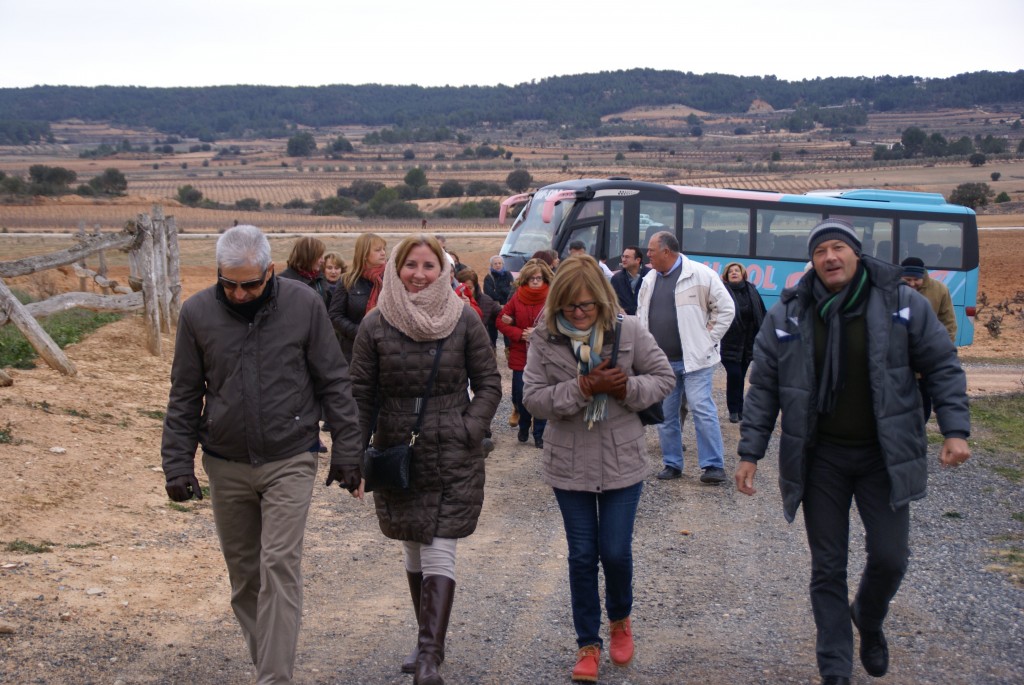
255, 284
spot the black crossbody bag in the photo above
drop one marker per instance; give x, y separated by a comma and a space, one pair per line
389, 468
653, 414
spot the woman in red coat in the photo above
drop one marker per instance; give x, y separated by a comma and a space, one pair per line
516, 322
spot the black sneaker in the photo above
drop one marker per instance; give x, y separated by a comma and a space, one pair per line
669, 473
713, 475
524, 433
734, 417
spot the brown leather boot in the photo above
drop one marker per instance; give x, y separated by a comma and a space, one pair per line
435, 610
415, 582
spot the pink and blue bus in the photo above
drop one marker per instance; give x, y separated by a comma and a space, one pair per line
764, 231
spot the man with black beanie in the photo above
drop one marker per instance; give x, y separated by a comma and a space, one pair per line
837, 355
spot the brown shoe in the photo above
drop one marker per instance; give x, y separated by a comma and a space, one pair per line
587, 659
621, 649
514, 419
437, 595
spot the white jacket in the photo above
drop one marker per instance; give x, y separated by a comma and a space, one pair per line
704, 312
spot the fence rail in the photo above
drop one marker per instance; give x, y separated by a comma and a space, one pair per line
151, 242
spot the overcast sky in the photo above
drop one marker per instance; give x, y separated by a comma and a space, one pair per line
480, 42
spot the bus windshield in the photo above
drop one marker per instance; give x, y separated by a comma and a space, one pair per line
529, 232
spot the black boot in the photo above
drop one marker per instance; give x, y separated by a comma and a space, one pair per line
435, 610
874, 650
415, 583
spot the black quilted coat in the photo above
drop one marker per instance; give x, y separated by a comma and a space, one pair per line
447, 479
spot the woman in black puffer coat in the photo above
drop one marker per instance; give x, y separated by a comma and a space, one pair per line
737, 346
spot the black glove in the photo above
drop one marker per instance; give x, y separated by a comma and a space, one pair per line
183, 488
348, 476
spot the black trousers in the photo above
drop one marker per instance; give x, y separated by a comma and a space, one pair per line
835, 477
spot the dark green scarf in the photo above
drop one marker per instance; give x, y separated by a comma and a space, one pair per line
835, 309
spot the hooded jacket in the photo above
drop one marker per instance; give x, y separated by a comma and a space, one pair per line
904, 338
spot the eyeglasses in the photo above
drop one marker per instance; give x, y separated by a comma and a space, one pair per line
584, 307
535, 279
228, 284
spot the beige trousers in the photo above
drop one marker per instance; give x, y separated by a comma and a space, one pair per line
260, 513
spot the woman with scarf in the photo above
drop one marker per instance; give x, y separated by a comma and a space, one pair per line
391, 364
497, 286
737, 346
357, 292
516, 322
595, 449
305, 264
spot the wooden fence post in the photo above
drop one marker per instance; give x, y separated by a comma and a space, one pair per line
34, 333
174, 269
163, 291
102, 270
81, 237
149, 287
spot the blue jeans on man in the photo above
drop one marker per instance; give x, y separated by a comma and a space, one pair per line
599, 528
695, 389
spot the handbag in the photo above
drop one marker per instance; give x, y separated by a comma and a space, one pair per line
389, 468
653, 414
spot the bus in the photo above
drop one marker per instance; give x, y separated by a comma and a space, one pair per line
764, 231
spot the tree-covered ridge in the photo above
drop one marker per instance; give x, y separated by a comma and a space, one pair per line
578, 100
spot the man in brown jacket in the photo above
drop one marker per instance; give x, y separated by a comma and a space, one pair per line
254, 360
937, 294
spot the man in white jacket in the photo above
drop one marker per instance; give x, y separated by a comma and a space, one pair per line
685, 305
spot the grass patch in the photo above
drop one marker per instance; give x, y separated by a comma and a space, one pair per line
1010, 473
1011, 562
25, 547
176, 506
82, 545
65, 328
75, 412
1018, 516
952, 515
7, 435
999, 430
157, 414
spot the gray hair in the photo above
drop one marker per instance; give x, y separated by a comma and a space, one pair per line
666, 240
243, 245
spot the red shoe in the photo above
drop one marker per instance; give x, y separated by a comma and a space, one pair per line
621, 649
587, 659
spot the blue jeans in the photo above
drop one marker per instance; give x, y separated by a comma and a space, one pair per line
524, 416
696, 389
599, 527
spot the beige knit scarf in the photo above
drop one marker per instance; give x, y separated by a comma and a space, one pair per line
430, 314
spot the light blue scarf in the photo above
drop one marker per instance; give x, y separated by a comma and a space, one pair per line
586, 347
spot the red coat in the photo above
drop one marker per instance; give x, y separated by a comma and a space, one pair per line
523, 316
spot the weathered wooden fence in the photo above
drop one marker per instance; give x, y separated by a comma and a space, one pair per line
154, 284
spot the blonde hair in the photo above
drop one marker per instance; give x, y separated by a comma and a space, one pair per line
336, 258
575, 274
725, 271
531, 269
403, 249
365, 244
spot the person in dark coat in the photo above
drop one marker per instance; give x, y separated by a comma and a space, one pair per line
356, 295
737, 346
837, 355
391, 362
305, 264
498, 286
626, 281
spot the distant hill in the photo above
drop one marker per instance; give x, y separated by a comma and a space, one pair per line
570, 102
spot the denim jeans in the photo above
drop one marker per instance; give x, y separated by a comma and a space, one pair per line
599, 527
517, 402
696, 389
835, 477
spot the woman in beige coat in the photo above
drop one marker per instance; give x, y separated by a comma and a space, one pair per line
595, 454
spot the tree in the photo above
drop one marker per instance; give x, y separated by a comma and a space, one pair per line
913, 140
995, 176
450, 188
1002, 197
416, 177
971, 195
519, 180
248, 204
1020, 148
977, 159
187, 195
635, 147
331, 206
409, 153
301, 145
361, 190
110, 182
342, 144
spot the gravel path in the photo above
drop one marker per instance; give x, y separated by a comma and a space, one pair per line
720, 591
